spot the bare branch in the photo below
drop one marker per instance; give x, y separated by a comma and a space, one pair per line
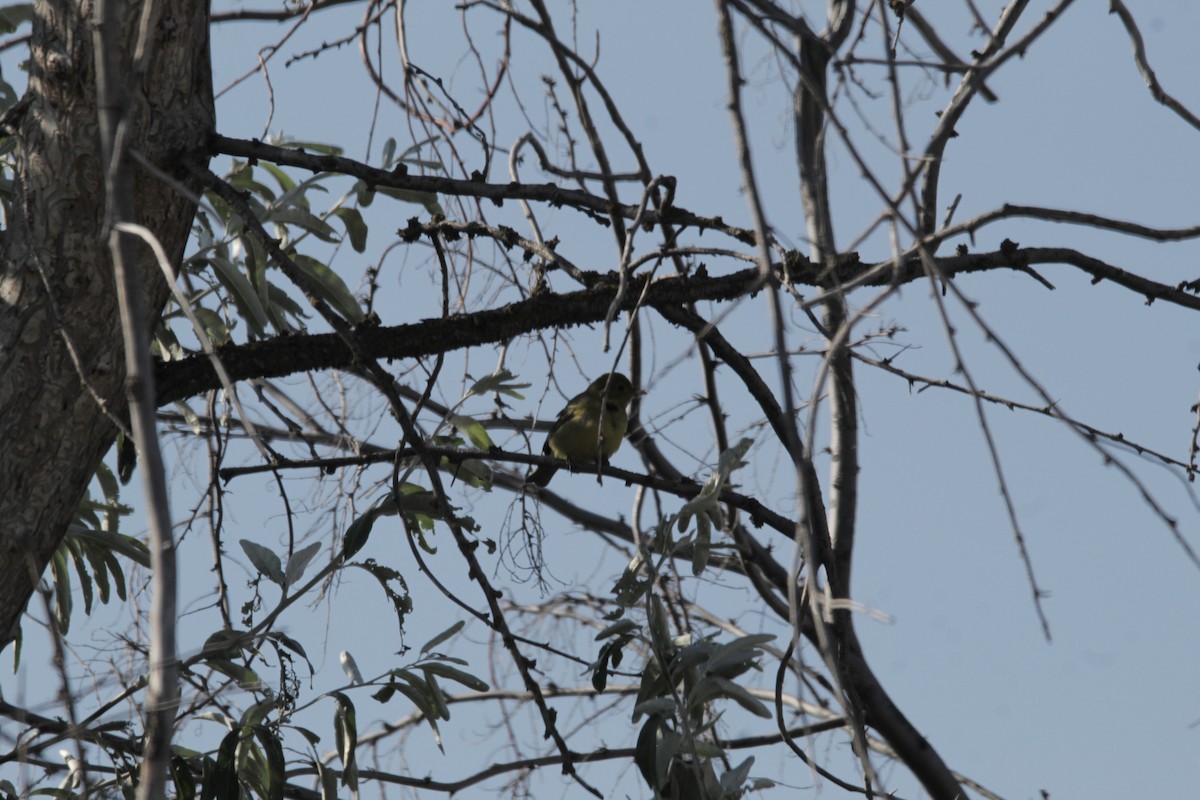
1143, 64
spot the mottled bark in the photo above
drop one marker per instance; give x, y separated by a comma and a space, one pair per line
56, 280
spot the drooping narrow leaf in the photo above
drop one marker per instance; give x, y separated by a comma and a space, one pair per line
275, 774
454, 674
443, 636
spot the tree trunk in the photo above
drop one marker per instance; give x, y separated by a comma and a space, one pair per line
57, 292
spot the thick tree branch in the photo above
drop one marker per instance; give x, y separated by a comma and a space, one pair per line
398, 178
1143, 64
289, 355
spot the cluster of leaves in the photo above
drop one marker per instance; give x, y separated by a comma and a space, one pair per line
421, 507
94, 539
681, 681
249, 759
229, 283
232, 269
419, 683
682, 678
249, 762
233, 266
91, 546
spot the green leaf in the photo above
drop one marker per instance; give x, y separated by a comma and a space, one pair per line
223, 644
309, 146
223, 784
166, 345
285, 181
426, 199
345, 729
662, 706
702, 546
294, 646
118, 576
202, 229
328, 780
420, 699
457, 675
356, 228
312, 738
245, 677
409, 156
275, 774
242, 176
658, 621
618, 627
99, 572
443, 636
299, 562
736, 657
473, 429
252, 769
244, 296
255, 714
330, 287
632, 584
62, 590
304, 220
645, 752
742, 697
732, 780
133, 549
281, 307
502, 382
654, 684
435, 694
181, 775
600, 668
471, 471
85, 578
108, 484
264, 560
610, 653
692, 655
364, 195
358, 533
422, 507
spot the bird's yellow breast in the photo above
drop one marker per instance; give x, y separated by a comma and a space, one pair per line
589, 432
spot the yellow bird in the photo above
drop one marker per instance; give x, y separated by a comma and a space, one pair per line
592, 424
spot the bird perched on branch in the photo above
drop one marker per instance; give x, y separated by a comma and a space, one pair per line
591, 426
